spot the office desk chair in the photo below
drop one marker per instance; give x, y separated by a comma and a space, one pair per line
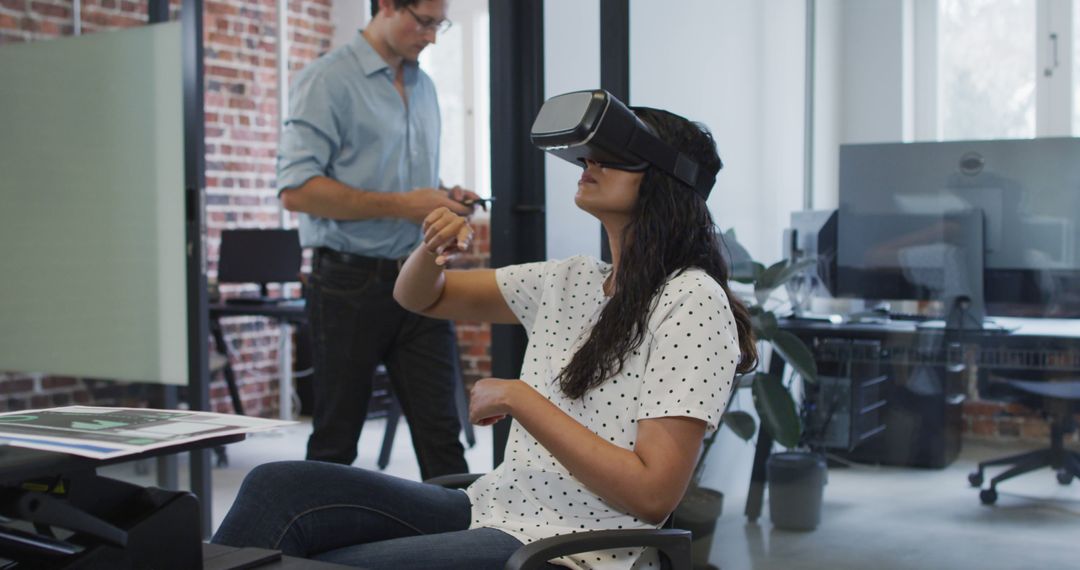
672, 544
1059, 402
253, 256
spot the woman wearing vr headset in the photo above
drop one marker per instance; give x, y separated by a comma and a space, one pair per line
628, 366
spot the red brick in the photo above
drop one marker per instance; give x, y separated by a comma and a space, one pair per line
16, 386
53, 382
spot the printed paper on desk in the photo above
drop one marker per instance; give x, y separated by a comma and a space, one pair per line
104, 433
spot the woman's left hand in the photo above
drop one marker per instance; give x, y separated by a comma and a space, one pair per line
491, 399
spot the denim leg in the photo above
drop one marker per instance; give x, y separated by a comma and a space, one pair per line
307, 508
424, 371
478, 549
350, 329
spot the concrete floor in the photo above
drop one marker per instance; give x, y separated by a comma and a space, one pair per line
881, 518
888, 518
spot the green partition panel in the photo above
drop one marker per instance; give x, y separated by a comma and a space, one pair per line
92, 274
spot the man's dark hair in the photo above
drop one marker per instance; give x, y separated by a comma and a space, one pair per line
398, 4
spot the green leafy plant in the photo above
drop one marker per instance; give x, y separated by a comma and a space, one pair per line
772, 399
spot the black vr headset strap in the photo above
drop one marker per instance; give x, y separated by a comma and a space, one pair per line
661, 155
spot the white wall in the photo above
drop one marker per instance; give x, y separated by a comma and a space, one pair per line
348, 16
828, 101
736, 66
571, 63
873, 71
863, 82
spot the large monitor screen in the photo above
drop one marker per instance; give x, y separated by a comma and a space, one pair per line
895, 198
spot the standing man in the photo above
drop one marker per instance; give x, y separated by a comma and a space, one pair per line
359, 159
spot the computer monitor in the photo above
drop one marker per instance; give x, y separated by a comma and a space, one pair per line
812, 235
259, 256
898, 202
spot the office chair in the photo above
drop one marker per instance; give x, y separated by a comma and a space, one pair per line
672, 544
1059, 401
259, 257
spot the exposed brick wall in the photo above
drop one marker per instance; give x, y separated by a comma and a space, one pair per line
32, 20
241, 143
474, 338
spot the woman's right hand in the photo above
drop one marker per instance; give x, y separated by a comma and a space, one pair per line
445, 234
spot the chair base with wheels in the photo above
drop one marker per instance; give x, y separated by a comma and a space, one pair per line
1059, 401
673, 545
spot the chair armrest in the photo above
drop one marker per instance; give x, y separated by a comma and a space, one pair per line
455, 480
673, 544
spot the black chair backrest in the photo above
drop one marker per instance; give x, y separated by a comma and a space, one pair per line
259, 256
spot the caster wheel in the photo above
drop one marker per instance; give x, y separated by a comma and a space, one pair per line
1064, 477
975, 478
988, 496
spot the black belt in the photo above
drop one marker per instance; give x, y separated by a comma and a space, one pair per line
378, 265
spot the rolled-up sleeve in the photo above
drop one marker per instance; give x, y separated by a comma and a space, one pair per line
311, 136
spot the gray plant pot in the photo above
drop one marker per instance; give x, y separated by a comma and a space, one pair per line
796, 485
697, 513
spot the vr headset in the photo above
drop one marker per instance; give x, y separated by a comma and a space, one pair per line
594, 125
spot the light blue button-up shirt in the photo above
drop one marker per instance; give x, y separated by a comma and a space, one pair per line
347, 122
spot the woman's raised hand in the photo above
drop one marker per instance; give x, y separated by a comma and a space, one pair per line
445, 234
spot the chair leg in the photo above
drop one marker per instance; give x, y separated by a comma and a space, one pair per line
976, 477
393, 416
463, 414
1013, 459
1072, 464
1031, 461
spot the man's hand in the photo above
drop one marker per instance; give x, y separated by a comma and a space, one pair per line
466, 197
417, 204
446, 233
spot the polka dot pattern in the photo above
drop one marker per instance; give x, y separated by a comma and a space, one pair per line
684, 367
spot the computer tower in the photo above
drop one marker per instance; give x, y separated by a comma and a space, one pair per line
845, 408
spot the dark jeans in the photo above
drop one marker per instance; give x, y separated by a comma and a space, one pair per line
352, 516
355, 325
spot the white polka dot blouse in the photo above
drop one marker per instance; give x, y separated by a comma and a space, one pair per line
684, 367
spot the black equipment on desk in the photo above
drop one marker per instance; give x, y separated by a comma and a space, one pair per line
812, 235
259, 256
847, 405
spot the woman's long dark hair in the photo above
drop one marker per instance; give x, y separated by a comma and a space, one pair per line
671, 230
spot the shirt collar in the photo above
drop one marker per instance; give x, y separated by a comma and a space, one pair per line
370, 60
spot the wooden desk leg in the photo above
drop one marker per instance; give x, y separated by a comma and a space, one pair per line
755, 495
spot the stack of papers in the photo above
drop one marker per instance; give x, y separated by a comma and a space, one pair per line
105, 433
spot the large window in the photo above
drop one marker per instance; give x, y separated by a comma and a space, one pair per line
987, 68
1004, 69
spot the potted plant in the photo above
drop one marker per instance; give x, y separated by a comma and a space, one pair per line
701, 506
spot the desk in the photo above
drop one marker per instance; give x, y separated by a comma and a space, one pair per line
287, 312
117, 524
1034, 345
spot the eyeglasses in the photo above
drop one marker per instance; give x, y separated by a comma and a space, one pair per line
430, 24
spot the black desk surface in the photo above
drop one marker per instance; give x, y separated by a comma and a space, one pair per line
1017, 327
19, 464
291, 310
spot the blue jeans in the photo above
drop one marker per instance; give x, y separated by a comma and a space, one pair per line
356, 517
